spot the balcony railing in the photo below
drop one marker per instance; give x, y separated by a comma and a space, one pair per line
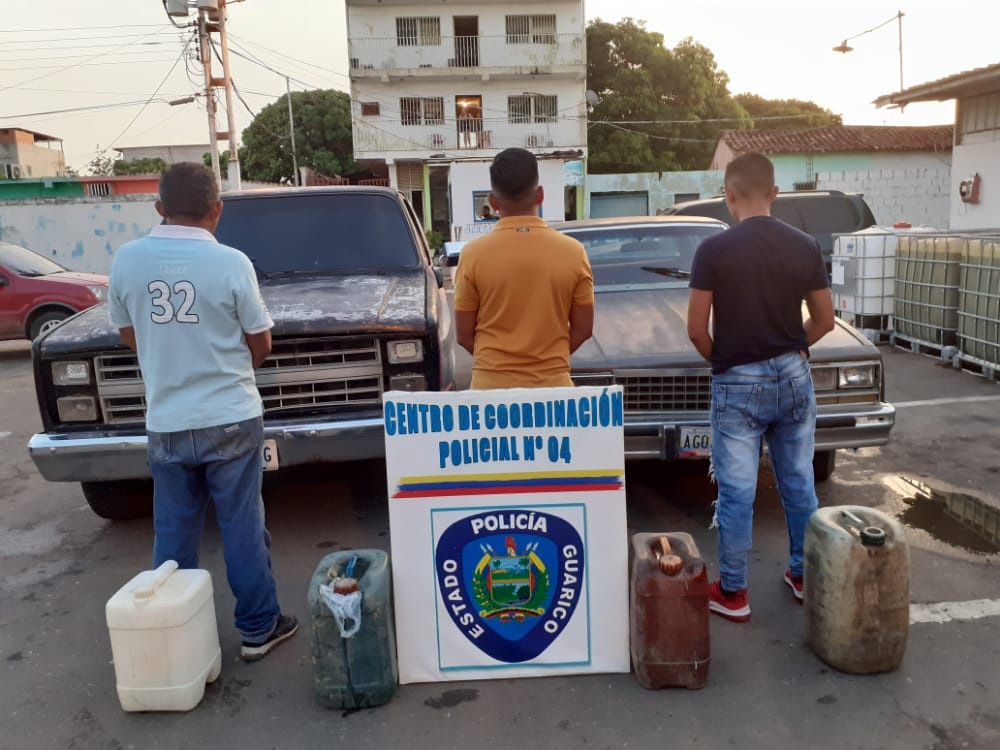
533, 51
464, 135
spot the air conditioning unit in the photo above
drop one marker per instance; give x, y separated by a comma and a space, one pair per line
14, 171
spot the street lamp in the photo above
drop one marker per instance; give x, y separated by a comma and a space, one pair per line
844, 48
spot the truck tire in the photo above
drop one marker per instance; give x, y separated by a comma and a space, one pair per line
824, 462
121, 500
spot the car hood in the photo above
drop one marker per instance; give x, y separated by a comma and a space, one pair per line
298, 306
77, 277
647, 329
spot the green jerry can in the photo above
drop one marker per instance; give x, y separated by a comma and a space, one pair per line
857, 589
358, 671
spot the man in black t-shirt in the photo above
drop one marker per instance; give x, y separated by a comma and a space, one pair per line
752, 279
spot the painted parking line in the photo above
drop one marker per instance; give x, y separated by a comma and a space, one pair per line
974, 609
945, 401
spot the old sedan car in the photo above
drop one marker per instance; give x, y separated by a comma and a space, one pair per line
37, 294
641, 268
358, 310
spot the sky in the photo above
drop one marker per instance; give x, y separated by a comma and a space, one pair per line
125, 55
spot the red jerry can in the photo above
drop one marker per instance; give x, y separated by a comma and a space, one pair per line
669, 612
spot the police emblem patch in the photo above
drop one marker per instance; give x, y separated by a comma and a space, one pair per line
510, 580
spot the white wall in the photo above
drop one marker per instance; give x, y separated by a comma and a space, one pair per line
660, 187
920, 196
169, 154
983, 158
471, 177
80, 233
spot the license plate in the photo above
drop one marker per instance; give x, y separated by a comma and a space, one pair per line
695, 442
270, 455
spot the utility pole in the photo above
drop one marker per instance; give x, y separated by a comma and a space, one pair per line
212, 20
291, 129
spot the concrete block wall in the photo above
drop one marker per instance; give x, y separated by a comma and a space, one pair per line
79, 233
920, 195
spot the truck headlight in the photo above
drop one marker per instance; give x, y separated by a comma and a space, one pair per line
824, 378
862, 376
71, 373
100, 292
406, 352
77, 409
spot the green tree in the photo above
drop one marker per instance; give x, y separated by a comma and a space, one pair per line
662, 106
101, 165
138, 166
795, 113
322, 137
223, 162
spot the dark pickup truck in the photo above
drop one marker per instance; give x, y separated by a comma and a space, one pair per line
358, 309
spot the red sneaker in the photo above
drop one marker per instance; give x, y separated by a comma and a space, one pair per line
795, 584
735, 607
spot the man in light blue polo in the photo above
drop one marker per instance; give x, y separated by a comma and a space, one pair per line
191, 308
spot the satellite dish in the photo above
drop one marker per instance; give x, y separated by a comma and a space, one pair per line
592, 98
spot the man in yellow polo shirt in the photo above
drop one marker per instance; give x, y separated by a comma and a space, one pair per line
524, 293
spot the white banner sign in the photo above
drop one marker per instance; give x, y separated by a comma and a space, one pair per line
509, 543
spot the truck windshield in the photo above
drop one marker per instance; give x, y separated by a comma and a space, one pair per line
636, 254
319, 233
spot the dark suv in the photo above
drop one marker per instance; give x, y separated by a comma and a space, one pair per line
358, 310
821, 213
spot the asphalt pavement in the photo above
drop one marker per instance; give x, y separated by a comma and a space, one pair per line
59, 564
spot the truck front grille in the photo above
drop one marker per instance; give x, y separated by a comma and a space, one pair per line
301, 376
687, 391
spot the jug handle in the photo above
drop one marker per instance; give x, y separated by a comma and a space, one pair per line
160, 575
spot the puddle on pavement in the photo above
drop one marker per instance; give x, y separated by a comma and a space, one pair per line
954, 518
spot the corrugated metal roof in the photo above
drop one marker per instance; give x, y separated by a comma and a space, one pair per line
842, 138
967, 83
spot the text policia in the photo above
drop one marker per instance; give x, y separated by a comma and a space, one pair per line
593, 411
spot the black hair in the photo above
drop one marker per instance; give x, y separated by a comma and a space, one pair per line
750, 174
188, 189
514, 173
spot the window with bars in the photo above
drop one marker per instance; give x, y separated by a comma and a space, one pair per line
531, 29
527, 108
413, 31
417, 110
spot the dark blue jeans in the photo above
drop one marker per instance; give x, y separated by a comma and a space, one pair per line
222, 465
771, 400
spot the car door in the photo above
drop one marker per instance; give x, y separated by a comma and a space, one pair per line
9, 324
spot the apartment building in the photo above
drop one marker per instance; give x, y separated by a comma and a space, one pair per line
25, 153
439, 88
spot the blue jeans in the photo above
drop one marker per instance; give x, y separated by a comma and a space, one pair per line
223, 465
772, 399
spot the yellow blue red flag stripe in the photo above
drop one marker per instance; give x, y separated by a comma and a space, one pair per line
609, 480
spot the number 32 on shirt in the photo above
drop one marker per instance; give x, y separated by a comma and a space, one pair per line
172, 304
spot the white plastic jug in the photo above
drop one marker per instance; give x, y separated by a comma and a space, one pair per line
164, 639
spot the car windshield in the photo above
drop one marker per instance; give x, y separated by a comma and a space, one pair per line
319, 233
642, 253
23, 262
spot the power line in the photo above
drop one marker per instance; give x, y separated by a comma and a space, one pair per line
289, 57
78, 39
28, 60
151, 96
81, 65
257, 61
92, 107
85, 62
79, 28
